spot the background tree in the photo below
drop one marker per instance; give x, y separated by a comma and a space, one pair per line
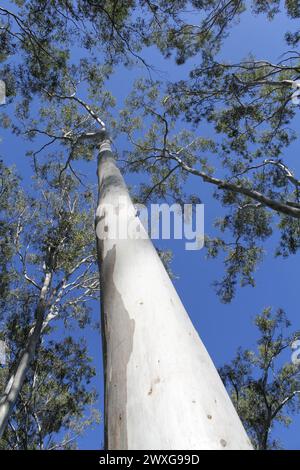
265, 384
51, 276
57, 403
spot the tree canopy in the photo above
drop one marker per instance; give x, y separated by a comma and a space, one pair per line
264, 388
227, 123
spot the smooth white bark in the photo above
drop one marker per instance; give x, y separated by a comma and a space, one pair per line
16, 380
162, 390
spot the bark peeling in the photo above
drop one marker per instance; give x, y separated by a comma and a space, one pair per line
118, 356
162, 389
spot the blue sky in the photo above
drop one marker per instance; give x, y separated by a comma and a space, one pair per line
222, 327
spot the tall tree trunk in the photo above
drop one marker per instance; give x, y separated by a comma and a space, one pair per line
16, 380
162, 390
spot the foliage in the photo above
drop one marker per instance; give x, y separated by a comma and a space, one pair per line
48, 231
228, 124
263, 384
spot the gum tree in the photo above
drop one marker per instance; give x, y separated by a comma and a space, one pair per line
135, 332
124, 34
155, 362
263, 384
51, 271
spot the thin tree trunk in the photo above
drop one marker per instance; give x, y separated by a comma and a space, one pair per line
162, 390
16, 380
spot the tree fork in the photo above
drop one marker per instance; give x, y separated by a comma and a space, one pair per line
162, 390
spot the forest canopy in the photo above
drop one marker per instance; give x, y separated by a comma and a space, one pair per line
195, 113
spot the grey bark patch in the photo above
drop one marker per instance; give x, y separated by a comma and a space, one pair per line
155, 382
112, 179
223, 443
119, 331
99, 241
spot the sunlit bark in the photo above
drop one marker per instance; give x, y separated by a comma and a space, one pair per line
162, 390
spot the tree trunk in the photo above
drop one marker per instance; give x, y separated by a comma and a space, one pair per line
16, 380
162, 390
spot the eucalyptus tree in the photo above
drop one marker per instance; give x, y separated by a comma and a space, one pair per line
57, 403
52, 269
246, 113
210, 422
251, 94
265, 384
122, 30
154, 360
